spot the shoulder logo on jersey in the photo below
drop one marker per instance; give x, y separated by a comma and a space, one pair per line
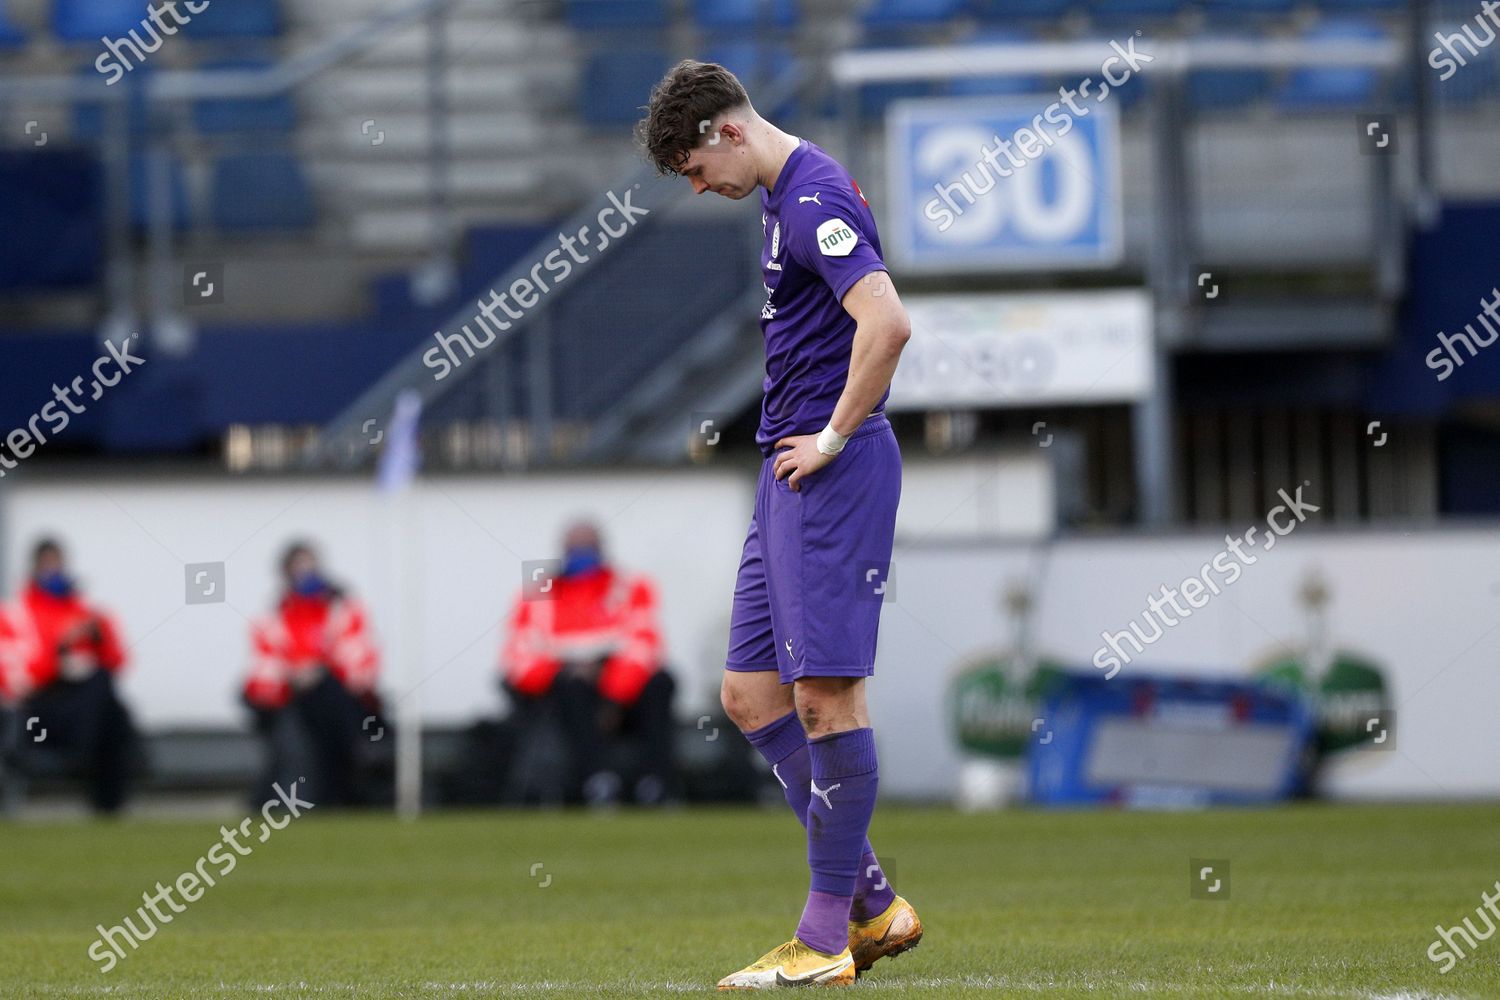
859, 192
813, 199
836, 238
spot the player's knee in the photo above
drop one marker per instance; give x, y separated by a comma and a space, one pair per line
751, 704
828, 705
735, 704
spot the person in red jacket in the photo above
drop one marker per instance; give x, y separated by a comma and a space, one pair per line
59, 657
589, 643
311, 686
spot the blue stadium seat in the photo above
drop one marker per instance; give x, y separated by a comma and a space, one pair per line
1226, 89
237, 19
1320, 88
986, 86
1020, 10
1252, 8
757, 64
218, 116
883, 14
90, 20
616, 82
11, 34
875, 97
745, 13
592, 14
1156, 8
752, 62
140, 192
1366, 6
261, 192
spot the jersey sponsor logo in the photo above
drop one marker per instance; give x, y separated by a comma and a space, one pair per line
836, 238
776, 240
768, 311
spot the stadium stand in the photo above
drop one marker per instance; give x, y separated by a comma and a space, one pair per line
260, 192
11, 34
238, 20
614, 79
539, 102
89, 20
591, 15
275, 114
725, 14
1326, 87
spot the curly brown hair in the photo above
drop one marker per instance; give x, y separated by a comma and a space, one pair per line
680, 108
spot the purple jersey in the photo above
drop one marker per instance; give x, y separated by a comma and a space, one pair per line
820, 240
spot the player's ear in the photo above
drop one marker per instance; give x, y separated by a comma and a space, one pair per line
734, 132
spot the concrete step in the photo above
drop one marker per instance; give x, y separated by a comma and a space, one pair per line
356, 89
468, 41
405, 135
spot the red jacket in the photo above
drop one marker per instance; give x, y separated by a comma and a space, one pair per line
597, 614
32, 647
305, 633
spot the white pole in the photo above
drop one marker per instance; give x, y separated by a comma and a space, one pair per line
408, 649
397, 475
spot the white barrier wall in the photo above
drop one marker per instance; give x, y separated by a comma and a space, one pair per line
130, 538
1422, 603
1425, 605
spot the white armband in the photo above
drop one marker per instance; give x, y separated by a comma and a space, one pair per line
830, 441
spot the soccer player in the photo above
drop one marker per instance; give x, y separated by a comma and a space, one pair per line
807, 601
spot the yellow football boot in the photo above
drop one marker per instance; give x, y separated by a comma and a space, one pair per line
896, 930
793, 964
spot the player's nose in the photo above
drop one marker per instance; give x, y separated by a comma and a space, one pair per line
699, 185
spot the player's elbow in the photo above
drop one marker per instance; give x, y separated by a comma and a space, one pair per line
898, 329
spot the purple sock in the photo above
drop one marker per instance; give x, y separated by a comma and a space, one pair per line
783, 744
843, 783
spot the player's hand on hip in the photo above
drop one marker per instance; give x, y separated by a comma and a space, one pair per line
801, 459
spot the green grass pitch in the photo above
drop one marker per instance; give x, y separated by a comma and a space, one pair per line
1324, 901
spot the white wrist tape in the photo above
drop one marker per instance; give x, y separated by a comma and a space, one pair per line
830, 441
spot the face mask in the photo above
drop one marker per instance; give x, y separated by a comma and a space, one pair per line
55, 583
308, 584
581, 560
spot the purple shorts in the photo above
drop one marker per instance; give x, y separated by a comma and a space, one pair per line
812, 576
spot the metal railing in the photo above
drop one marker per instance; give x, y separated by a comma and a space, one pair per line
343, 442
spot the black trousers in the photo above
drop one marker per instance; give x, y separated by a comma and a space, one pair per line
320, 739
589, 721
88, 725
